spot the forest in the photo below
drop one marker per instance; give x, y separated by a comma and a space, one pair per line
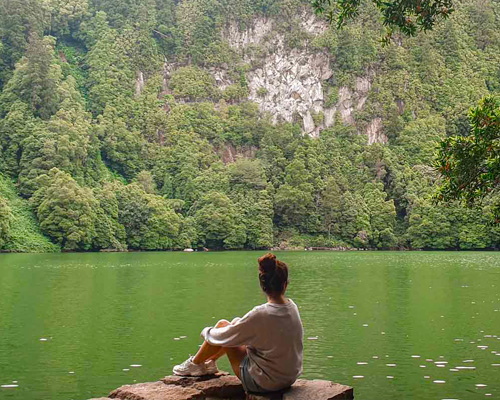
89, 162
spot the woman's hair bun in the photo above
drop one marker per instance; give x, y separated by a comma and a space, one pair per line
267, 263
273, 274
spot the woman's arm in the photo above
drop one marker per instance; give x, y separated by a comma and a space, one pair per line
240, 332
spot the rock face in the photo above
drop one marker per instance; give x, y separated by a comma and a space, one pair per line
290, 83
226, 387
286, 82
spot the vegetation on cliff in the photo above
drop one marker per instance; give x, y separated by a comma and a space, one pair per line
105, 152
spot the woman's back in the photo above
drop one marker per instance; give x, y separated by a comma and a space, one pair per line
275, 352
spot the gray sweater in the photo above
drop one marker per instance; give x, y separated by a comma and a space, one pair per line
273, 335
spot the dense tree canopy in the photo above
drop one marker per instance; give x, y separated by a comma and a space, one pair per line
470, 163
128, 125
5, 220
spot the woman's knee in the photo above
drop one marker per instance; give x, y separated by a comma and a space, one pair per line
235, 320
222, 323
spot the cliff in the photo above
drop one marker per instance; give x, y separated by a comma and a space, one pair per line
292, 84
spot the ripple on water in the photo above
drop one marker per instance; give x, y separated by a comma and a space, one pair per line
439, 381
9, 386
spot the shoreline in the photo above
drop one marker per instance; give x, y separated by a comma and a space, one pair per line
272, 249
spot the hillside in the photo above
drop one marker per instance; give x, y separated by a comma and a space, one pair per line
237, 124
23, 231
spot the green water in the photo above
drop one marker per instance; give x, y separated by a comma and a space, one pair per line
100, 313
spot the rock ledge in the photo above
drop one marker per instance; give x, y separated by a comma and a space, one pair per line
223, 386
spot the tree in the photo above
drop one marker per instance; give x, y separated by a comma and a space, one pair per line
5, 221
193, 83
331, 203
17, 125
110, 77
65, 14
146, 181
420, 138
294, 199
121, 147
470, 165
149, 220
381, 216
249, 194
219, 223
64, 142
66, 211
35, 79
109, 233
18, 18
408, 16
432, 227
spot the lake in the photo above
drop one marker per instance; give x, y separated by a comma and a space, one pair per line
395, 325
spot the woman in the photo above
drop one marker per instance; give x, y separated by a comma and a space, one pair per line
265, 346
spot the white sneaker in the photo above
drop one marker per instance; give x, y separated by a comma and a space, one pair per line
211, 367
189, 368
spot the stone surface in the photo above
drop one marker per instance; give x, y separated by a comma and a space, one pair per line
223, 386
318, 389
374, 132
155, 391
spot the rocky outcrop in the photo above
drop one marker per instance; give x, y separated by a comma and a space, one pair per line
284, 82
374, 132
227, 387
229, 153
290, 83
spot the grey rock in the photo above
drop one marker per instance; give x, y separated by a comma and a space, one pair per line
223, 386
318, 389
375, 133
155, 391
